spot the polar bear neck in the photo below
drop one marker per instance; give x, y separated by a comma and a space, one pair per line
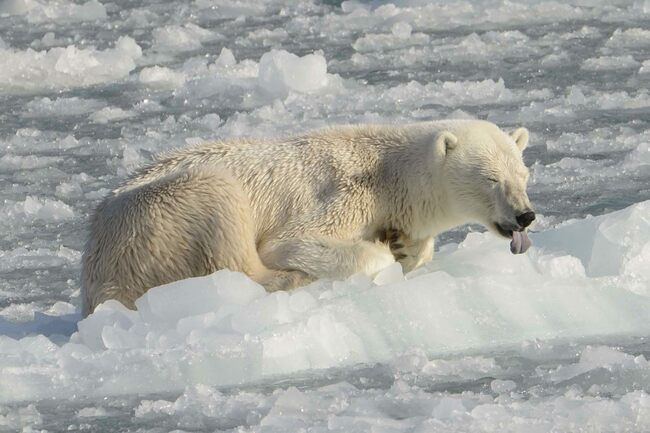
417, 203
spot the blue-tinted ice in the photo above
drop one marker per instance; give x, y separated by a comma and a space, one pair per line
480, 340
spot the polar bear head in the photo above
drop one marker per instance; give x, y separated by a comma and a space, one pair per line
485, 177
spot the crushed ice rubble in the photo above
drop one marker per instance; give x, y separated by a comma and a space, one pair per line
584, 278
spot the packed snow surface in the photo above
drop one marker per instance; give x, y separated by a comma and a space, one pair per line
478, 340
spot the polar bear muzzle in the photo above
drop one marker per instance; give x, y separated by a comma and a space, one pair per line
520, 240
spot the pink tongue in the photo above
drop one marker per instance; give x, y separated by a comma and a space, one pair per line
520, 243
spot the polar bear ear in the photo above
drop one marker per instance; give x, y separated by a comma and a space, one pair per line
520, 135
445, 142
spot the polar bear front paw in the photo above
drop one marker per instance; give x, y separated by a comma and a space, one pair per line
397, 244
409, 253
375, 258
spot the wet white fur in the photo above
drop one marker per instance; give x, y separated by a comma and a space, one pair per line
291, 210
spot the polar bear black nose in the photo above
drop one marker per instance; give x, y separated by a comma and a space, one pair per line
526, 218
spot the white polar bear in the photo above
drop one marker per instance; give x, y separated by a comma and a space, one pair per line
326, 204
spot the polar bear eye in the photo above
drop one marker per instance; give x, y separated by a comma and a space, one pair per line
492, 179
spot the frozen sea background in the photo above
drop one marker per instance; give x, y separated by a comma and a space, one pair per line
479, 340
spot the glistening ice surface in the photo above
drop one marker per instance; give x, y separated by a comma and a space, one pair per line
479, 340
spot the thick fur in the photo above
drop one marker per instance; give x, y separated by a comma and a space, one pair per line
329, 203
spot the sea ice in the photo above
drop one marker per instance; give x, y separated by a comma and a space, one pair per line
342, 407
35, 208
181, 38
9, 162
234, 9
224, 329
24, 419
598, 141
37, 11
477, 340
60, 68
645, 67
110, 114
399, 37
91, 412
23, 258
281, 72
452, 93
608, 63
160, 77
74, 106
629, 38
268, 38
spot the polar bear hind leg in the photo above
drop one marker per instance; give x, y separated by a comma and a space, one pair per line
322, 257
190, 223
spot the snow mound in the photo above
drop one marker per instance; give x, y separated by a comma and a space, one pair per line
63, 68
587, 278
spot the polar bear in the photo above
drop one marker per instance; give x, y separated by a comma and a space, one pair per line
325, 204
